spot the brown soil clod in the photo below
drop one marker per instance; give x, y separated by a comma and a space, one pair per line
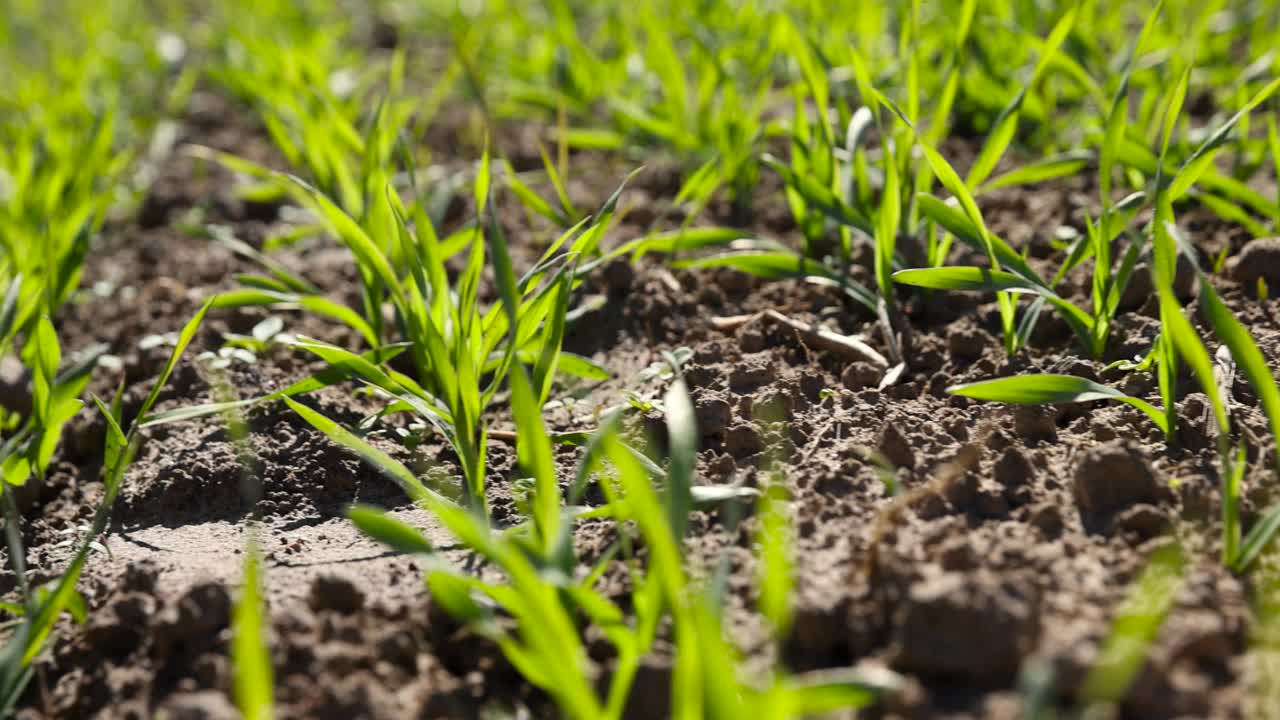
1110, 479
1258, 260
968, 626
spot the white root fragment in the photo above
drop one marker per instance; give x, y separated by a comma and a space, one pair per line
732, 322
845, 346
670, 281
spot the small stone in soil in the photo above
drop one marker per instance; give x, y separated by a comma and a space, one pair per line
743, 440
1013, 468
751, 372
1142, 520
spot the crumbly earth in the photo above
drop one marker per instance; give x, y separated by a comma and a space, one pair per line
1003, 557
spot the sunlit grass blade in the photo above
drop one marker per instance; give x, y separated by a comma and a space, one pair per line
185, 337
385, 529
1050, 168
386, 464
1043, 389
1248, 357
1134, 628
250, 659
682, 437
313, 303
963, 227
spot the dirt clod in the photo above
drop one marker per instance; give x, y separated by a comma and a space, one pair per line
1111, 478
966, 342
859, 375
944, 628
1035, 422
200, 705
895, 446
713, 414
336, 593
1260, 259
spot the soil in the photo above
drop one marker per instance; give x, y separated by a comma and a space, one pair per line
1009, 548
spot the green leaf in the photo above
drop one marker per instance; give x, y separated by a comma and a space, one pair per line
314, 303
579, 366
1248, 357
956, 223
380, 526
675, 241
1136, 623
250, 659
1259, 537
1049, 168
774, 538
552, 337
185, 336
1047, 389
820, 197
383, 462
682, 434
828, 691
370, 257
9, 308
1219, 136
533, 449
975, 278
768, 265
963, 278
1190, 348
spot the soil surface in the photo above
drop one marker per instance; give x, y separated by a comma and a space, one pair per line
1002, 559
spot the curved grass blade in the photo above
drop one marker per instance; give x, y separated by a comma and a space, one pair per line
380, 526
1052, 389
956, 223
976, 278
1050, 168
1248, 357
184, 338
388, 465
314, 303
1259, 537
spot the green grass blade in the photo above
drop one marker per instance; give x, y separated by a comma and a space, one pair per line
383, 462
1134, 628
1050, 168
958, 224
1248, 357
250, 659
682, 434
187, 333
1191, 349
963, 278
1045, 389
533, 450
1259, 537
380, 526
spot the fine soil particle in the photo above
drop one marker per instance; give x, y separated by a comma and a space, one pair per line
957, 542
